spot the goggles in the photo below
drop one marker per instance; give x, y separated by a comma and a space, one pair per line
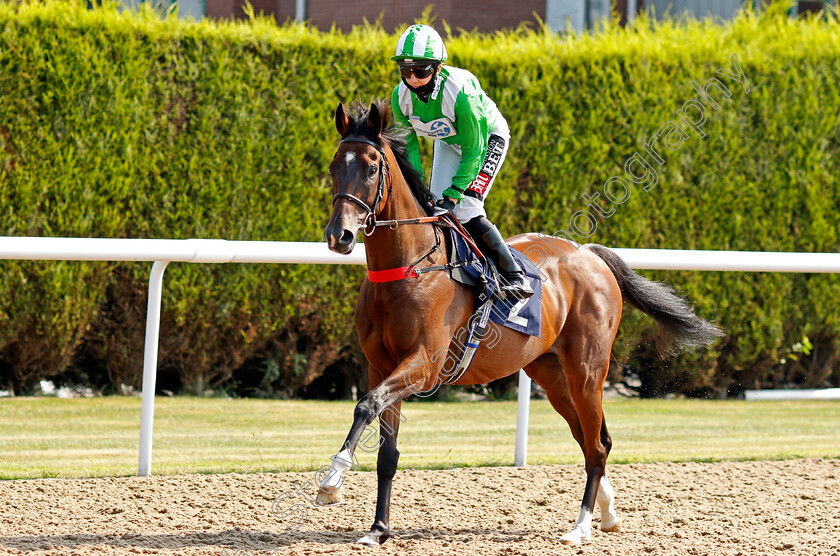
419, 71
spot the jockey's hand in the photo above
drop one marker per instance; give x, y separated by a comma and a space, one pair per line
444, 206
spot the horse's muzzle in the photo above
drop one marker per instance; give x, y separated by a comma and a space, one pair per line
340, 240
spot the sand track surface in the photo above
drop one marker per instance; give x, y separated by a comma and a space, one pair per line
783, 507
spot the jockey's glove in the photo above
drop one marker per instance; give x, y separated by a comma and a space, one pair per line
444, 206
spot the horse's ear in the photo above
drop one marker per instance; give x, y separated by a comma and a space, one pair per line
376, 122
342, 122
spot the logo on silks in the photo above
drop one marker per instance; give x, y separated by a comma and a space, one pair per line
440, 129
436, 129
492, 160
480, 183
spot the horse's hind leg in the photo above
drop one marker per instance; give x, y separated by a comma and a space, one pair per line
610, 522
585, 355
547, 371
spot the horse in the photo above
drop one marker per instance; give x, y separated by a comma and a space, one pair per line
402, 324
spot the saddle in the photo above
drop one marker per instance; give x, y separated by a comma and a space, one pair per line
468, 266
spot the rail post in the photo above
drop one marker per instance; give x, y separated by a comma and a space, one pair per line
523, 410
150, 355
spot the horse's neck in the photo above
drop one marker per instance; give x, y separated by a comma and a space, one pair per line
390, 248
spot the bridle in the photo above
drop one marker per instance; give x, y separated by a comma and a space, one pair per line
370, 222
384, 175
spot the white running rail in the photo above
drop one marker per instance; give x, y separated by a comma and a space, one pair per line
163, 251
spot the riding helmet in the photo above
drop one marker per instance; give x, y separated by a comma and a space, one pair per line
420, 42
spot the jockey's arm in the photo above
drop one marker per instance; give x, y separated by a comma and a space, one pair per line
472, 130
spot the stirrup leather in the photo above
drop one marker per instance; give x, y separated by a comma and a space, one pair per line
477, 328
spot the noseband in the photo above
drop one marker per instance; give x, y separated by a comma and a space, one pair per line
384, 170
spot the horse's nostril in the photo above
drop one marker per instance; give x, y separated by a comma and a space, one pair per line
346, 238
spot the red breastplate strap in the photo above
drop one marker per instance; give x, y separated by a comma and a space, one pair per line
392, 274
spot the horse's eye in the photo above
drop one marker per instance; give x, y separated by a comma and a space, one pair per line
372, 170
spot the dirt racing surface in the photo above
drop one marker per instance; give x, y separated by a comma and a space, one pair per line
785, 507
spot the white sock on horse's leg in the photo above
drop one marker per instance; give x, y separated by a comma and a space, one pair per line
329, 491
582, 530
606, 499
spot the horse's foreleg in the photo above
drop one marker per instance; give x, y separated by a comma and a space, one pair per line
415, 374
391, 391
386, 468
330, 489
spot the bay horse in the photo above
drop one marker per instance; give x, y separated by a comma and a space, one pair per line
403, 323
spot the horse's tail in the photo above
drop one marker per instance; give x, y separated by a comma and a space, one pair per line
672, 312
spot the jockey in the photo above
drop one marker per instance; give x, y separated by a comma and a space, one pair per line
470, 137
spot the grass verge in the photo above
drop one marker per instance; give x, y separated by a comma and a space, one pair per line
45, 437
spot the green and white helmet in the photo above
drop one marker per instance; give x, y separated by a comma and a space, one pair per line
420, 42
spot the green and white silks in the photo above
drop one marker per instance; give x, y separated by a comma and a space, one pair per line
460, 118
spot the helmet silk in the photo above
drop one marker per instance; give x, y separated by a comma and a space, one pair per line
422, 43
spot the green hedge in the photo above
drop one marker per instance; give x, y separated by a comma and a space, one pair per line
121, 124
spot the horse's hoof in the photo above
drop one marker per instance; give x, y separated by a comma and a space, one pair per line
611, 526
368, 541
575, 536
329, 496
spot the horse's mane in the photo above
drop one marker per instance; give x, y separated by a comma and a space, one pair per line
396, 138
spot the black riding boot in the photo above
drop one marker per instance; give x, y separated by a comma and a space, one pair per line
513, 282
